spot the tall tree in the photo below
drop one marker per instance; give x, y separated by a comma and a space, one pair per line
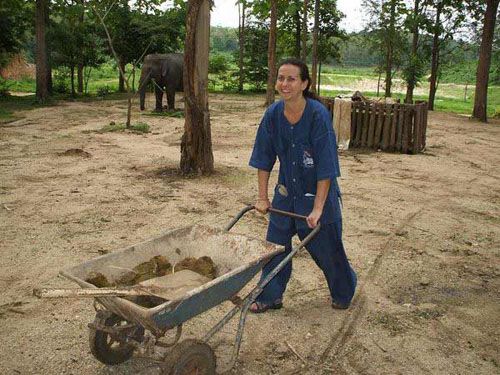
303, 51
80, 63
15, 19
448, 16
329, 34
483, 67
42, 76
387, 34
241, 40
314, 69
196, 144
413, 70
271, 55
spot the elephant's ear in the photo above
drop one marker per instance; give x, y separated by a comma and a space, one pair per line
164, 69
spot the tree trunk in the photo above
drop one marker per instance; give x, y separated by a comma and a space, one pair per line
389, 52
72, 69
196, 144
388, 71
241, 37
413, 55
297, 34
483, 67
319, 77
49, 60
314, 72
121, 76
303, 50
79, 75
435, 58
271, 55
378, 82
80, 64
42, 81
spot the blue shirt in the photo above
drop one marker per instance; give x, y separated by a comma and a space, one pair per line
307, 152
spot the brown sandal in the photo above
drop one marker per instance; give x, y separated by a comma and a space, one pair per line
258, 307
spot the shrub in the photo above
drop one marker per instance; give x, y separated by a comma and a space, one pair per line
4, 87
60, 83
103, 91
219, 63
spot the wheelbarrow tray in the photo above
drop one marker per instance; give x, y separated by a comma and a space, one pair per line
238, 258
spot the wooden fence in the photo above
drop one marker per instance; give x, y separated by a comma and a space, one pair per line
389, 127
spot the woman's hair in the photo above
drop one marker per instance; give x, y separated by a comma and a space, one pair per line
304, 75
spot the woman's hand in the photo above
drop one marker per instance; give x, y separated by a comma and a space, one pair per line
313, 218
262, 205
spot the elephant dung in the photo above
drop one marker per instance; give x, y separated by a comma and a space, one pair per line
204, 266
98, 279
155, 267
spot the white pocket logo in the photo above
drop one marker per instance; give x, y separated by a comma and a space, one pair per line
307, 160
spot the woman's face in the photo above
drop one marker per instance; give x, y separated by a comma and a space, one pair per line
288, 83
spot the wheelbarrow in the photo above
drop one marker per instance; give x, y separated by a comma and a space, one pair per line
125, 325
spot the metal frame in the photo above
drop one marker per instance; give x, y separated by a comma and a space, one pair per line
244, 305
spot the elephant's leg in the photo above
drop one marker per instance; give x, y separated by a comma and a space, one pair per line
171, 99
159, 98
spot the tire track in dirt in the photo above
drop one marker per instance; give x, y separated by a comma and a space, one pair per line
341, 337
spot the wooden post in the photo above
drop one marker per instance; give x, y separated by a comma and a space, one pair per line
380, 123
354, 128
401, 125
394, 127
359, 124
370, 124
424, 127
386, 131
196, 144
416, 128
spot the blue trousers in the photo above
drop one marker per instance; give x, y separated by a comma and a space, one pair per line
327, 250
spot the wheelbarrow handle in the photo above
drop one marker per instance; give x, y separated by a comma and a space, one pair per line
286, 213
270, 209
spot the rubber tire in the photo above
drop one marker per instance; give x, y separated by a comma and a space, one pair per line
99, 345
180, 360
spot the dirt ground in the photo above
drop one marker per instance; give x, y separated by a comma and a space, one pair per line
422, 231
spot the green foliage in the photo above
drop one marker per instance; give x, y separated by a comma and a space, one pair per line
174, 114
112, 127
103, 91
223, 39
15, 21
255, 60
134, 31
4, 87
414, 70
139, 127
354, 50
60, 82
219, 63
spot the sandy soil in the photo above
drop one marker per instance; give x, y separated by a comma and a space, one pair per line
422, 232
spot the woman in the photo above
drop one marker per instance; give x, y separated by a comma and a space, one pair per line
298, 131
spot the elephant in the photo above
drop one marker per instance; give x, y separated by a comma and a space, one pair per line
167, 72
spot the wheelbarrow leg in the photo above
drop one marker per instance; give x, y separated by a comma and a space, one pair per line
250, 298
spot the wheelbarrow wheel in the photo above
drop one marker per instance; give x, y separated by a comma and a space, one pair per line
190, 357
112, 349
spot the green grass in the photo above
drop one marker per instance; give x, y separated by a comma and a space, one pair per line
11, 106
139, 128
356, 71
441, 103
450, 96
175, 114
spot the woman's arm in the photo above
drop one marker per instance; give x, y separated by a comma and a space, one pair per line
322, 188
263, 203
